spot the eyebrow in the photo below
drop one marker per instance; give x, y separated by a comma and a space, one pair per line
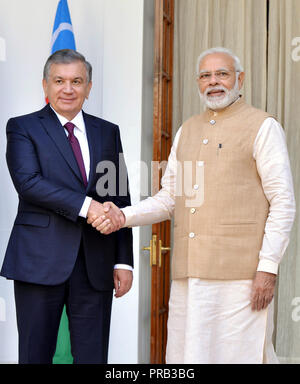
217, 70
61, 77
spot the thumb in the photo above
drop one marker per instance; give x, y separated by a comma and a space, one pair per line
106, 206
116, 280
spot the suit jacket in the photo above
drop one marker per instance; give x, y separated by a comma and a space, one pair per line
47, 231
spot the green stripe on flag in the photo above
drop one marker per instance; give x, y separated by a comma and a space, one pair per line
63, 347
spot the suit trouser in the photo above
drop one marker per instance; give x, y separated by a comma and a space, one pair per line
39, 310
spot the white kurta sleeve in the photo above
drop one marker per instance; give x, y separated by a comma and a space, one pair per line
273, 165
159, 207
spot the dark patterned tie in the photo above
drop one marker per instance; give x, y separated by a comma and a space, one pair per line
77, 151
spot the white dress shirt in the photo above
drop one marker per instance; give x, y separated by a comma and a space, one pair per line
273, 165
80, 134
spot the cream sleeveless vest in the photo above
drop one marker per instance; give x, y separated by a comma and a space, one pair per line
221, 213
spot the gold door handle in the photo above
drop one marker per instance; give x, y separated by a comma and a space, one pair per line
152, 250
160, 250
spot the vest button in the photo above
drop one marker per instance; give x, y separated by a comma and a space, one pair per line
193, 210
212, 122
191, 235
205, 141
196, 187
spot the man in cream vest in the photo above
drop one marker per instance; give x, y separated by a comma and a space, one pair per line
232, 223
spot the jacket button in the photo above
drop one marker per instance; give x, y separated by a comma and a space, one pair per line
191, 235
193, 210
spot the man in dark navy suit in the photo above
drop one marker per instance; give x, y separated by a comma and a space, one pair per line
54, 256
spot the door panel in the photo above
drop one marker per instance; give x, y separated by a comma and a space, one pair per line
162, 141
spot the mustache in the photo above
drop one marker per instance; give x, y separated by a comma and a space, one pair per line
217, 88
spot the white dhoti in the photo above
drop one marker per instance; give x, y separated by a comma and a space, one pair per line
211, 322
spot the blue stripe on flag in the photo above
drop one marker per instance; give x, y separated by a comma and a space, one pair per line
62, 35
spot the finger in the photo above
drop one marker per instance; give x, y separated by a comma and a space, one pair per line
121, 290
115, 223
260, 302
104, 226
265, 305
118, 284
254, 302
268, 301
100, 224
124, 287
107, 231
114, 220
91, 219
99, 221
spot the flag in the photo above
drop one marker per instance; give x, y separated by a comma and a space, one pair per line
63, 38
62, 35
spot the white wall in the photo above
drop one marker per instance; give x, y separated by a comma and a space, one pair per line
110, 34
122, 103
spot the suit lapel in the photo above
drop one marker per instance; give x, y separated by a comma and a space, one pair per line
55, 130
94, 133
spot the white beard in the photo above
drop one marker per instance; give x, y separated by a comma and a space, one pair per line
223, 101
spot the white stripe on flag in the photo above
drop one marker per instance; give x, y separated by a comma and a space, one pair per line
61, 27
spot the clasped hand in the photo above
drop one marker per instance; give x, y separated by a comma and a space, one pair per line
105, 218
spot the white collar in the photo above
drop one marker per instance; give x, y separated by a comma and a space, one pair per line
78, 120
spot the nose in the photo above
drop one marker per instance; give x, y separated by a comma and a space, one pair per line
213, 80
68, 88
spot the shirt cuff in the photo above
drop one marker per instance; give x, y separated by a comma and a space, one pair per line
269, 266
129, 215
85, 207
123, 266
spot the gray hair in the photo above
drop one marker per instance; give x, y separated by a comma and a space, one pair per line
67, 56
237, 62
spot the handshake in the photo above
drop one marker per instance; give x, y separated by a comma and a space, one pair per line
105, 218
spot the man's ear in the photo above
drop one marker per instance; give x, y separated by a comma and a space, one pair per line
88, 90
241, 79
44, 82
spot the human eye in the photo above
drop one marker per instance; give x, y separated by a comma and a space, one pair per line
77, 82
58, 81
222, 74
204, 76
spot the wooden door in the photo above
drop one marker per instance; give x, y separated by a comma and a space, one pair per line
162, 141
